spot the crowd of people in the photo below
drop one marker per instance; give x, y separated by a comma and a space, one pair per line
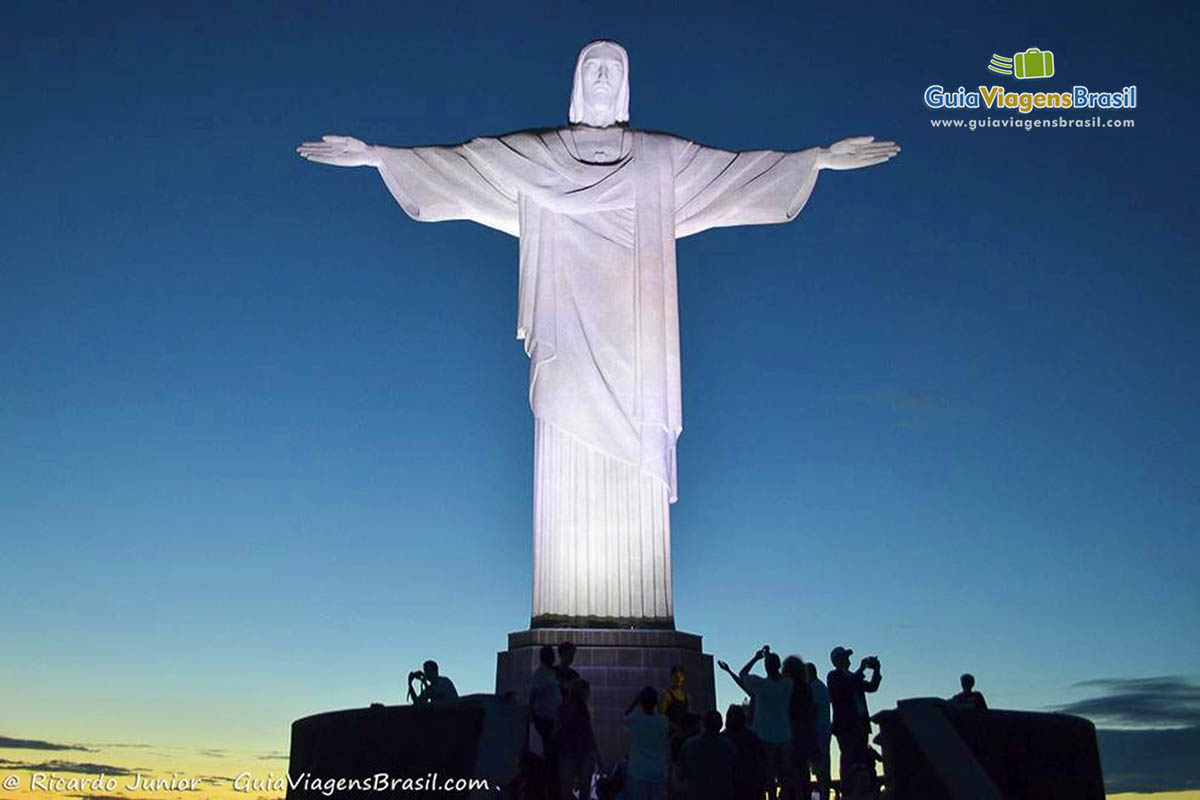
794, 715
771, 746
775, 745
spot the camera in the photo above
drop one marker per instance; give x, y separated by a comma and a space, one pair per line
871, 661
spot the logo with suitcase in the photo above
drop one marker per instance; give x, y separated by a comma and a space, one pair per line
1033, 63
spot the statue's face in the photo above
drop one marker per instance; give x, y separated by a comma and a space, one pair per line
603, 74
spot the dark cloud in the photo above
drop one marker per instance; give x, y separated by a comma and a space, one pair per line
99, 796
82, 768
1150, 760
214, 752
274, 755
1169, 701
1155, 748
38, 744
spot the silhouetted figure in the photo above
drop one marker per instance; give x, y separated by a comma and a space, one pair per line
749, 766
706, 763
800, 716
689, 726
968, 697
649, 748
575, 741
772, 723
673, 702
821, 730
545, 698
848, 697
566, 674
434, 687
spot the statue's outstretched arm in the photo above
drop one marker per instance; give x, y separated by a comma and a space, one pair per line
717, 188
855, 153
340, 151
431, 183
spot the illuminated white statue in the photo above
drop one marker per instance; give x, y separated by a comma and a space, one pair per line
597, 207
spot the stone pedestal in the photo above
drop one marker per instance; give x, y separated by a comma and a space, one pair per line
617, 663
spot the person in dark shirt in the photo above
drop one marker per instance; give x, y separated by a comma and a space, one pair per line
848, 697
673, 703
749, 768
800, 718
822, 730
575, 741
435, 688
968, 697
689, 726
565, 673
706, 763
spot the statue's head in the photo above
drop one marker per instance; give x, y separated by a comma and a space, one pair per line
600, 94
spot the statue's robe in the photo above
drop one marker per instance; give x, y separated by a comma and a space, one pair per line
598, 312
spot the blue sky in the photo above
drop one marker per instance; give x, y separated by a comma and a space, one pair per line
267, 443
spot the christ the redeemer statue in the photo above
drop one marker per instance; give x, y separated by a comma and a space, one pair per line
597, 207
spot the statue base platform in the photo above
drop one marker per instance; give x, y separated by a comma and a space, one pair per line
617, 662
466, 748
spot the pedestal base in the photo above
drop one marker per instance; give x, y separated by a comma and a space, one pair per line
476, 737
617, 663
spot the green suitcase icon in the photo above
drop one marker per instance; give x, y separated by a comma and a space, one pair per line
1034, 63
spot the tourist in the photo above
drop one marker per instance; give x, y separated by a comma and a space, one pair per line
564, 671
673, 703
800, 717
772, 702
821, 730
545, 698
649, 734
748, 767
434, 687
706, 763
968, 697
847, 696
575, 742
689, 726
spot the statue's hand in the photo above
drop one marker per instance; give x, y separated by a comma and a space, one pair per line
341, 151
855, 153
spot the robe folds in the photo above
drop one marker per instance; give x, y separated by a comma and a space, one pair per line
598, 312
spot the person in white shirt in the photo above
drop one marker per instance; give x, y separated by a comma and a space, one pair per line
648, 747
772, 722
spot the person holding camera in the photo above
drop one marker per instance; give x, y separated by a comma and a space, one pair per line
434, 687
772, 697
848, 697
